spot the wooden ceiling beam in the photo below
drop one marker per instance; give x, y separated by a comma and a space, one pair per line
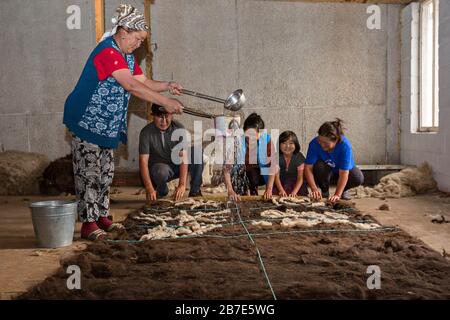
352, 1
99, 19
148, 52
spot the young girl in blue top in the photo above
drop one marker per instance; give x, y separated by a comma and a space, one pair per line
257, 168
330, 155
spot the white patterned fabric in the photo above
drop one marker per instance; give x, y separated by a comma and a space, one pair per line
93, 169
108, 98
129, 17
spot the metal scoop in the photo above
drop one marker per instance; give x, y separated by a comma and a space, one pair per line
234, 102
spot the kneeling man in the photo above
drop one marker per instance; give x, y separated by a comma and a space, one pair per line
155, 158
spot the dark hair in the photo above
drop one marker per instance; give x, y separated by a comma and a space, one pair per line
285, 136
333, 130
158, 110
254, 121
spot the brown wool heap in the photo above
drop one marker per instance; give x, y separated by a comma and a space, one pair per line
20, 172
406, 183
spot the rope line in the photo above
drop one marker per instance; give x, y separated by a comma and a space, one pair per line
251, 235
383, 229
257, 251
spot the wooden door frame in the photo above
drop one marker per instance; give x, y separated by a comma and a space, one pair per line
99, 9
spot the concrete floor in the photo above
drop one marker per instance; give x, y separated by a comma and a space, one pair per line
23, 264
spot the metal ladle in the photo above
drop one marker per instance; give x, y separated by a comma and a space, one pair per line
234, 102
218, 119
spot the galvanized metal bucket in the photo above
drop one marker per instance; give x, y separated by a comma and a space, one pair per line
54, 222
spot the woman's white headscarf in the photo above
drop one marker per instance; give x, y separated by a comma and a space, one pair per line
129, 17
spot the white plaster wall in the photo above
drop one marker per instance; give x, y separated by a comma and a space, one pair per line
299, 64
431, 147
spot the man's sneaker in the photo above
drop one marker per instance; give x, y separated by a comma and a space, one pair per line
195, 194
346, 196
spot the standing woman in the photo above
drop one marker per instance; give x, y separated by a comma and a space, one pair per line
330, 154
96, 115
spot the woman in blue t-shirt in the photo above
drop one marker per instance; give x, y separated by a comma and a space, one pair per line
330, 154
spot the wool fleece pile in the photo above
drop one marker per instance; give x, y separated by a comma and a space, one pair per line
200, 249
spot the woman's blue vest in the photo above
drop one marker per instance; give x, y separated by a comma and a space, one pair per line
96, 110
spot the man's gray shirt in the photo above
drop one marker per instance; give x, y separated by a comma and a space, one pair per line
158, 144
